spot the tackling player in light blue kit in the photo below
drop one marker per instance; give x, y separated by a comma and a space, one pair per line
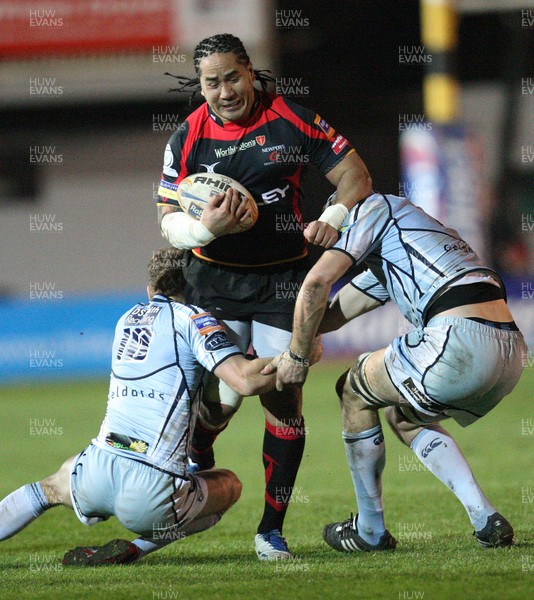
136, 468
464, 355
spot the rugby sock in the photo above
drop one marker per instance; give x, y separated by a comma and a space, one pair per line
148, 545
202, 442
366, 455
283, 447
20, 508
440, 454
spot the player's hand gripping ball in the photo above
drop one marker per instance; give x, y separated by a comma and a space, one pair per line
195, 190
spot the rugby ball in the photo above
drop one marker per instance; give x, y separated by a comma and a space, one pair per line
195, 190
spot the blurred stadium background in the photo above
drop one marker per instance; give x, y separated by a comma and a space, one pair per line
86, 114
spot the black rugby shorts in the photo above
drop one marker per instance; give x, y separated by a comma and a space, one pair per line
263, 294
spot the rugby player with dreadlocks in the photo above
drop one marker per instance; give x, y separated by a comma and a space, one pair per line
264, 141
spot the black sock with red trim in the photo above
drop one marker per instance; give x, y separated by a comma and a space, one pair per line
283, 446
202, 445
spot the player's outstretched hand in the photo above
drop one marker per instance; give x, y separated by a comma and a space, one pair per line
224, 213
289, 373
321, 234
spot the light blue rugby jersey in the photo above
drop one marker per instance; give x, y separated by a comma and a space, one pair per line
411, 257
162, 353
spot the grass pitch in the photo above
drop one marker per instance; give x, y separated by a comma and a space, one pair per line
437, 556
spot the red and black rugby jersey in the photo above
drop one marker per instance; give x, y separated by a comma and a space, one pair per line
267, 153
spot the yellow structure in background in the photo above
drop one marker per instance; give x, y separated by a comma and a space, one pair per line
439, 34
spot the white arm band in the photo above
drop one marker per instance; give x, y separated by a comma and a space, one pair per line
334, 215
182, 231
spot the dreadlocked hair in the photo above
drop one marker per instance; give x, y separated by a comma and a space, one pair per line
222, 43
165, 275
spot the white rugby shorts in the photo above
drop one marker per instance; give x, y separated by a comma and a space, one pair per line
455, 367
144, 499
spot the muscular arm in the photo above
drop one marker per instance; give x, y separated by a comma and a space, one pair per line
244, 377
353, 183
352, 180
309, 310
313, 298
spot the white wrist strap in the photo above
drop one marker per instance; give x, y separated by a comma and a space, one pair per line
182, 231
334, 215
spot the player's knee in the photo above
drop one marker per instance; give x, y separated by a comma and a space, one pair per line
230, 478
352, 386
340, 384
345, 389
56, 487
234, 487
237, 487
400, 424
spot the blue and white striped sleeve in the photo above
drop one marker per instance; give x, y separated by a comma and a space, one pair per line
368, 284
364, 227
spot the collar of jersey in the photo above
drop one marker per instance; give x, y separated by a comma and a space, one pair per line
245, 122
160, 298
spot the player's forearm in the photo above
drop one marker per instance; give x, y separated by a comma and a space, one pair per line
253, 385
309, 311
182, 231
254, 380
244, 376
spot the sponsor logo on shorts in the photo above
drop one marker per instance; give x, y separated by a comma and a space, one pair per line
217, 341
206, 323
416, 394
